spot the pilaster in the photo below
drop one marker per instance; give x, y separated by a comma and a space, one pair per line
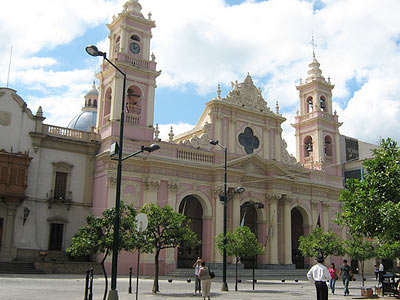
273, 231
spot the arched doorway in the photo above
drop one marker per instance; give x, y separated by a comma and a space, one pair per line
191, 208
297, 232
248, 217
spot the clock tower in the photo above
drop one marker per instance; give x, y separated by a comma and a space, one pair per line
130, 35
317, 127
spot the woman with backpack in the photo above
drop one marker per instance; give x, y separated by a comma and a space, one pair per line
205, 277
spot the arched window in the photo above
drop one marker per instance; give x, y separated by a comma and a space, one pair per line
309, 104
135, 37
89, 102
95, 103
308, 146
328, 145
117, 45
322, 103
107, 104
133, 99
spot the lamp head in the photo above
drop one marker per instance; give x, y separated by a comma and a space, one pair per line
93, 51
214, 142
151, 148
239, 190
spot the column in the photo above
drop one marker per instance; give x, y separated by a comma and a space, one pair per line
325, 216
150, 192
266, 141
232, 133
172, 188
278, 140
314, 214
287, 231
273, 230
219, 222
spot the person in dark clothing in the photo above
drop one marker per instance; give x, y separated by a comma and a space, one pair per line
346, 274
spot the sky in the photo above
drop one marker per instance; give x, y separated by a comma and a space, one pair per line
199, 44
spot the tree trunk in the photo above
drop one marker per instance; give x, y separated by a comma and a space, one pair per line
105, 276
236, 279
362, 272
155, 284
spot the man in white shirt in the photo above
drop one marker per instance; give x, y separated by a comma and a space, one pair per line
319, 275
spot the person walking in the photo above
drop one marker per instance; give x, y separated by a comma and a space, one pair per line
334, 277
319, 275
381, 272
197, 281
205, 277
346, 274
376, 269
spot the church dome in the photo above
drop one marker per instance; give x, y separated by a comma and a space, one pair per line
84, 120
87, 117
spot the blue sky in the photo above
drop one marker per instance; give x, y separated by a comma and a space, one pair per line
200, 44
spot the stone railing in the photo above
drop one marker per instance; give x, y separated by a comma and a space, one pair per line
195, 156
316, 114
136, 62
68, 133
132, 118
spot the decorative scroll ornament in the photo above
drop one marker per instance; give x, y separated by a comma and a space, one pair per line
286, 157
202, 141
247, 95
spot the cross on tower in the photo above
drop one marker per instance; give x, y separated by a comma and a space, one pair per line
314, 45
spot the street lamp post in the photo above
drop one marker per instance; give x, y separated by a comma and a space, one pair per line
113, 294
224, 199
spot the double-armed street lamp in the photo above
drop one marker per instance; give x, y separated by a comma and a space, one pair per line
117, 149
224, 199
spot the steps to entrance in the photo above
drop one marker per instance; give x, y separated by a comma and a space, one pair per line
18, 268
300, 274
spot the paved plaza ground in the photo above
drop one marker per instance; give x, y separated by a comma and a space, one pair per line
71, 287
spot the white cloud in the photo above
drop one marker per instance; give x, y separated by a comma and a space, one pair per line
203, 43
176, 129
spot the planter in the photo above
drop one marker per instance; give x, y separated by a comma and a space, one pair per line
367, 292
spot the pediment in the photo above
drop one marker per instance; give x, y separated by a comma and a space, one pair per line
253, 165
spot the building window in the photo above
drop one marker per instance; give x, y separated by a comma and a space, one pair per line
56, 236
61, 182
60, 187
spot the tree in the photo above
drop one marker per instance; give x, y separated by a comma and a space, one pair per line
98, 235
166, 229
320, 243
371, 207
361, 249
240, 243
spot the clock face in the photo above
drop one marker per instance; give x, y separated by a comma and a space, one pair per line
134, 47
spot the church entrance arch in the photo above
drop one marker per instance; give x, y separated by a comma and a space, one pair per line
248, 217
191, 207
298, 220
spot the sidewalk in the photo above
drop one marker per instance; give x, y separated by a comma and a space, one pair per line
70, 287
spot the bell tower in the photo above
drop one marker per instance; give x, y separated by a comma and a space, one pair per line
317, 127
130, 35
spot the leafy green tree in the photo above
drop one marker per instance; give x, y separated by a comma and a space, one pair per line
98, 235
390, 250
361, 249
320, 243
240, 243
166, 229
371, 207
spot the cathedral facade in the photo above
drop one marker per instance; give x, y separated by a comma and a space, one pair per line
284, 197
